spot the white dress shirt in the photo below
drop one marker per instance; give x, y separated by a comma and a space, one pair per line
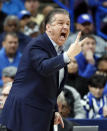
55, 127
66, 59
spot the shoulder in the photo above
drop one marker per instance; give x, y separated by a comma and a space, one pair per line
19, 54
2, 51
87, 99
40, 41
99, 40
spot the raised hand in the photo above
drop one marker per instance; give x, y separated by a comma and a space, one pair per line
89, 57
75, 48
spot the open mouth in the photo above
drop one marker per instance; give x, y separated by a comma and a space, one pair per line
63, 36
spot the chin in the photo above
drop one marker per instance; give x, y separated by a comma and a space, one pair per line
61, 43
98, 97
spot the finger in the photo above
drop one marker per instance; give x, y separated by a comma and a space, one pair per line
61, 122
82, 42
78, 37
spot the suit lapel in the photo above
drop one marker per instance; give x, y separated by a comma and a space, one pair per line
50, 45
53, 51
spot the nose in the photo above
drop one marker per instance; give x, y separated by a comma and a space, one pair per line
90, 45
97, 90
13, 27
66, 26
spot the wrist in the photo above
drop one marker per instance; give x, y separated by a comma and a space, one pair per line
66, 58
69, 56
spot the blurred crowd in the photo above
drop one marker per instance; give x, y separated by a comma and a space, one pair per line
85, 92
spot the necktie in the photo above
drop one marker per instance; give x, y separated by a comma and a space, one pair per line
60, 50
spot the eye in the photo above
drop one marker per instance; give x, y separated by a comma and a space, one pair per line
68, 23
60, 23
93, 43
88, 43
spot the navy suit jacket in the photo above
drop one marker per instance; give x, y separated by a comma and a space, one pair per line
32, 99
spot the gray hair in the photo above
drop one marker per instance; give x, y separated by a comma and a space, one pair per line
9, 71
11, 17
61, 98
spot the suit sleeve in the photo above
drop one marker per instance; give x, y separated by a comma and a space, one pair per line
43, 63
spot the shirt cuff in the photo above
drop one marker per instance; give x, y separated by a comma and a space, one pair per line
66, 58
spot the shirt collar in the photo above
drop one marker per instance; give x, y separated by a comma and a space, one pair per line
55, 45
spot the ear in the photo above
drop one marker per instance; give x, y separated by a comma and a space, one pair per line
48, 27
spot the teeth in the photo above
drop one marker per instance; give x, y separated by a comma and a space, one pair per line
63, 34
62, 37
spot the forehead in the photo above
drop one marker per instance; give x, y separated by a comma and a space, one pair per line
10, 37
12, 21
103, 63
61, 17
100, 89
91, 40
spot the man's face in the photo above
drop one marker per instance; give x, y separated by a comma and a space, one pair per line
86, 28
11, 26
11, 44
59, 29
89, 45
24, 21
97, 92
64, 109
4, 94
31, 5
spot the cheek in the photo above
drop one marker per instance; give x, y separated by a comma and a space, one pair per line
36, 5
15, 46
9, 28
85, 47
59, 107
101, 91
7, 47
94, 46
22, 22
55, 32
92, 91
28, 6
